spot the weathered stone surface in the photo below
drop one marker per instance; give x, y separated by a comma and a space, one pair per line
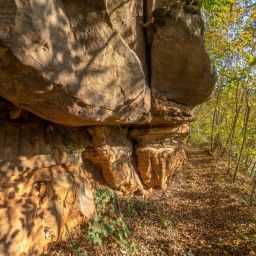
167, 112
65, 63
127, 18
157, 163
43, 208
10, 112
27, 147
113, 153
159, 153
180, 66
159, 135
44, 189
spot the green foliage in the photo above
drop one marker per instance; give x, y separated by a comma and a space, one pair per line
216, 11
227, 122
75, 245
189, 253
166, 223
217, 5
243, 237
251, 59
109, 222
77, 248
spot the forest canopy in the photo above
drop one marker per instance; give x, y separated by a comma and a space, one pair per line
227, 122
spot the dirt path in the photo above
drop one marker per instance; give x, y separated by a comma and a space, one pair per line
201, 213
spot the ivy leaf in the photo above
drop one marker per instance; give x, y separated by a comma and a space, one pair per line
75, 245
109, 229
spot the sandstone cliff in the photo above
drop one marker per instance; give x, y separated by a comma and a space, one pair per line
92, 92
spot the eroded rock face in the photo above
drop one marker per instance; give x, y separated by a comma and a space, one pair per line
44, 189
129, 68
32, 146
42, 208
180, 66
157, 163
63, 58
159, 153
127, 17
113, 153
170, 113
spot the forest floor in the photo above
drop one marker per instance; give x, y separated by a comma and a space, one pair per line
200, 213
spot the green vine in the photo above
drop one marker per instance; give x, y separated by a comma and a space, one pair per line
109, 222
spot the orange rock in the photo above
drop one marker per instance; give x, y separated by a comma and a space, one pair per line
42, 209
113, 153
157, 163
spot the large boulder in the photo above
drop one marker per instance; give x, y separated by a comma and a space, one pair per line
180, 67
64, 61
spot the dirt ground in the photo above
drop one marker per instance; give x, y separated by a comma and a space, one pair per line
200, 213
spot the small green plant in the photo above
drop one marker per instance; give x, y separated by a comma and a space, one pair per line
243, 237
167, 224
75, 245
109, 221
189, 253
78, 250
